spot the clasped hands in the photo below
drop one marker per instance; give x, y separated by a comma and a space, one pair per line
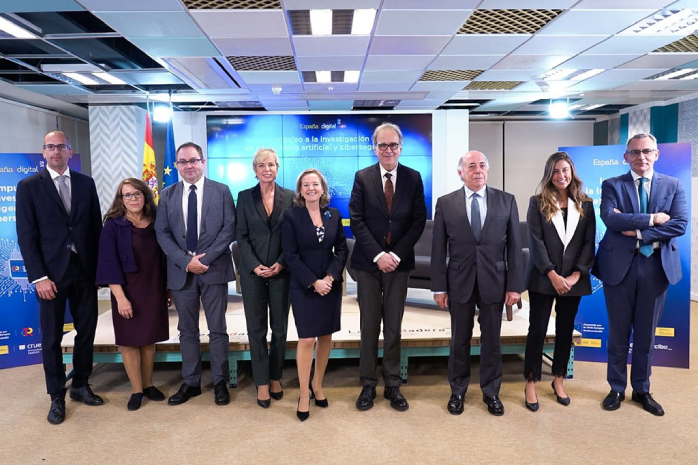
323, 286
268, 271
563, 285
510, 299
657, 218
387, 263
195, 266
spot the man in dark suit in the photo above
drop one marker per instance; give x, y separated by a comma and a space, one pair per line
195, 225
638, 257
477, 227
388, 214
58, 228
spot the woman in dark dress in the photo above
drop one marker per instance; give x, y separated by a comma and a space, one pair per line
561, 231
264, 278
316, 251
131, 264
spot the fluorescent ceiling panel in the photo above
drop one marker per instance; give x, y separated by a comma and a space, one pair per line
133, 5
584, 22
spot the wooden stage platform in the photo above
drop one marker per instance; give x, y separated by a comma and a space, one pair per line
426, 331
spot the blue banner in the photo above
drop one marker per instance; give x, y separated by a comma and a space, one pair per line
20, 330
672, 342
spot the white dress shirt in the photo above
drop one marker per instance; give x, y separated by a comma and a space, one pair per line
383, 179
199, 202
481, 201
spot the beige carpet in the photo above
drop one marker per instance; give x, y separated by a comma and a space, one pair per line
242, 432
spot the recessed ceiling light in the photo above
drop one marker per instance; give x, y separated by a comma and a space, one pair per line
162, 113
323, 77
675, 74
667, 22
82, 79
321, 22
558, 109
14, 30
557, 74
587, 74
110, 79
351, 76
363, 21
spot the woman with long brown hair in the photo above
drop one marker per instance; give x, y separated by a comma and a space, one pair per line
131, 264
561, 232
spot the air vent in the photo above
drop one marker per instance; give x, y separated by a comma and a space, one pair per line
383, 104
233, 4
492, 85
245, 104
507, 21
688, 44
450, 75
279, 63
309, 76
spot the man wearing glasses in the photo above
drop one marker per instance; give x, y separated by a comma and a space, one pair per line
58, 228
195, 225
388, 214
638, 257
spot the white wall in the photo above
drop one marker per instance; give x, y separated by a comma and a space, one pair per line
488, 137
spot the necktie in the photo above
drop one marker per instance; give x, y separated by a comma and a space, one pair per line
389, 194
64, 192
645, 249
192, 222
475, 221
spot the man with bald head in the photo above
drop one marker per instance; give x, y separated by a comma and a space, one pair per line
58, 227
477, 227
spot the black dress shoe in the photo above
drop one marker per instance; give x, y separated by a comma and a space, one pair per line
277, 395
153, 393
532, 406
221, 394
613, 400
56, 414
85, 395
324, 403
264, 403
184, 393
397, 400
648, 403
494, 405
455, 404
302, 416
134, 403
365, 400
560, 400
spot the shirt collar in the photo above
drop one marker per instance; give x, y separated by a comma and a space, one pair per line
54, 174
383, 171
469, 193
199, 184
637, 176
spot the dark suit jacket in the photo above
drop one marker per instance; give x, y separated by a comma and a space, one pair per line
259, 236
495, 259
546, 243
45, 231
370, 220
308, 259
216, 233
616, 250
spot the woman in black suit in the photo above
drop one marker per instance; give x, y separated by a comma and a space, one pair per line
561, 232
263, 276
316, 251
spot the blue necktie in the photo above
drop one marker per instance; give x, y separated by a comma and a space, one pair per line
645, 249
192, 222
475, 221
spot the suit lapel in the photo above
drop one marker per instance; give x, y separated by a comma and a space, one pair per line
178, 223
572, 222
378, 186
559, 224
462, 211
51, 190
279, 197
655, 189
259, 203
76, 192
631, 188
208, 188
401, 187
491, 199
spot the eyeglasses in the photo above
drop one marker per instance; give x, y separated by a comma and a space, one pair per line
192, 162
383, 147
645, 152
132, 195
59, 147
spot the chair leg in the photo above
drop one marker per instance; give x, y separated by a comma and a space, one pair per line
510, 312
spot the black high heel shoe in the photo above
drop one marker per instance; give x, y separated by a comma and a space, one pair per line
277, 395
263, 403
324, 403
302, 416
532, 406
560, 400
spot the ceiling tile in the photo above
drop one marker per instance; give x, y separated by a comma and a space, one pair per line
247, 24
369, 77
384, 87
585, 22
484, 44
622, 4
319, 46
629, 44
55, 89
431, 86
332, 63
508, 75
440, 95
405, 45
330, 105
624, 74
337, 88
175, 46
270, 77
589, 61
660, 61
151, 24
146, 77
465, 62
329, 4
276, 46
28, 6
420, 22
398, 62
266, 89
431, 5
133, 5
419, 104
595, 84
526, 4
557, 45
533, 62
649, 85
685, 85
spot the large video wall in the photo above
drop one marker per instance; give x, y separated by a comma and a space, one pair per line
336, 144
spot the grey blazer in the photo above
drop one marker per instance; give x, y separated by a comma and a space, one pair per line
495, 259
216, 233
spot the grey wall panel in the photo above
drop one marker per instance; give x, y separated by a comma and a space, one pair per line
488, 138
688, 132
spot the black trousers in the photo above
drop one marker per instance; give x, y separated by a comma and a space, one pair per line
381, 297
266, 304
80, 292
462, 322
565, 312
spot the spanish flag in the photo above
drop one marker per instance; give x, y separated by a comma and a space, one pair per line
150, 176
